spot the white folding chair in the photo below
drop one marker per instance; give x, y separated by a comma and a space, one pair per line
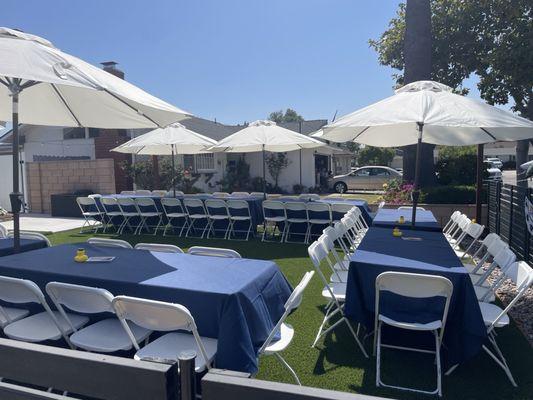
239, 212
286, 331
335, 294
174, 212
90, 212
451, 221
128, 209
179, 193
521, 274
411, 208
147, 210
309, 196
343, 241
220, 194
240, 194
213, 252
462, 222
40, 327
158, 247
493, 244
339, 210
419, 286
105, 336
142, 192
296, 215
472, 232
327, 241
487, 292
318, 214
274, 215
196, 213
104, 242
165, 317
481, 251
257, 194
128, 192
217, 211
160, 193
3, 232
31, 236
112, 213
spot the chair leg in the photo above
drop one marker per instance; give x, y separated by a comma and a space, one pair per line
499, 358
437, 355
286, 365
378, 355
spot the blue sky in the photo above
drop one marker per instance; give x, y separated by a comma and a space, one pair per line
233, 60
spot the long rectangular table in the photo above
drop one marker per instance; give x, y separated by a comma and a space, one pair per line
388, 218
237, 301
7, 245
379, 251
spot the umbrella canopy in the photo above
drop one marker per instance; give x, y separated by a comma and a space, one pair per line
265, 136
61, 90
41, 85
174, 139
447, 118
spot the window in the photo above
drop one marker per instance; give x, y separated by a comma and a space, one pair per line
73, 133
188, 162
379, 172
205, 162
362, 172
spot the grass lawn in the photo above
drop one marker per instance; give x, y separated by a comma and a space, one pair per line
337, 363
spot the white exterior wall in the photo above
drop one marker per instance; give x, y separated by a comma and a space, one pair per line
6, 180
48, 141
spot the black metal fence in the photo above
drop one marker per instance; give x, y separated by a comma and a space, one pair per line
506, 217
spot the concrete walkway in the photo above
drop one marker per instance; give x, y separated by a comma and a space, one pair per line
45, 223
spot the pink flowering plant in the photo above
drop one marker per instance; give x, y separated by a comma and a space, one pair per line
397, 192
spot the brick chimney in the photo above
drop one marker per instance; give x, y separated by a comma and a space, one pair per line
110, 138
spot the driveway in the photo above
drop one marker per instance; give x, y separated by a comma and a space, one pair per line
509, 177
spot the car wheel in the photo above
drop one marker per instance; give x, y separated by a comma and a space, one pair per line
340, 187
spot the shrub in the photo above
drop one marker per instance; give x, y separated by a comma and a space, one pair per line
375, 156
398, 192
298, 189
141, 173
459, 194
456, 165
237, 177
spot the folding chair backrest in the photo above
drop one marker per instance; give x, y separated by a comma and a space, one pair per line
213, 252
82, 299
496, 246
194, 206
504, 258
257, 194
317, 253
296, 209
145, 204
291, 304
179, 193
109, 204
143, 192
86, 204
3, 232
220, 194
238, 207
272, 208
240, 194
339, 210
474, 230
410, 208
126, 203
171, 205
216, 207
158, 247
104, 242
32, 236
154, 315
489, 239
128, 192
20, 291
160, 193
317, 210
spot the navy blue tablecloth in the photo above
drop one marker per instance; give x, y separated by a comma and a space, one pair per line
379, 251
6, 245
388, 218
237, 301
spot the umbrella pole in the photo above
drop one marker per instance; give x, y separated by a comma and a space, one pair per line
300, 167
479, 182
15, 196
264, 175
416, 191
173, 172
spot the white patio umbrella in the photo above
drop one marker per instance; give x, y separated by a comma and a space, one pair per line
429, 112
172, 140
41, 85
263, 136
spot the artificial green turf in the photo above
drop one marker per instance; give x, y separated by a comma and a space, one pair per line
336, 363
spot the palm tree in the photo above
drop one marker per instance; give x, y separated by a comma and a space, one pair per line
417, 57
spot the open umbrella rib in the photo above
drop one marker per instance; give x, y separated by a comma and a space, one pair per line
488, 133
360, 133
56, 90
133, 108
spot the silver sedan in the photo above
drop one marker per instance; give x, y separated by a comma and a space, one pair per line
364, 178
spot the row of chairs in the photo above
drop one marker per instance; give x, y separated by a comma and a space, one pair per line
282, 217
170, 193
131, 320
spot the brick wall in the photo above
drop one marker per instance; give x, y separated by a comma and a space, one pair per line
107, 140
56, 177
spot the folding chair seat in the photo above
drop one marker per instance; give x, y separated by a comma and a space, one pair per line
147, 211
273, 346
165, 317
213, 252
104, 242
39, 327
239, 212
105, 336
90, 212
275, 215
417, 286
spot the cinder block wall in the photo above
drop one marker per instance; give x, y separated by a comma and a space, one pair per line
56, 177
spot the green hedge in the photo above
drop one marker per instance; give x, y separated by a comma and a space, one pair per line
450, 194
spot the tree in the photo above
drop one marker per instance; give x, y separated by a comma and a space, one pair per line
375, 156
289, 116
491, 38
276, 163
